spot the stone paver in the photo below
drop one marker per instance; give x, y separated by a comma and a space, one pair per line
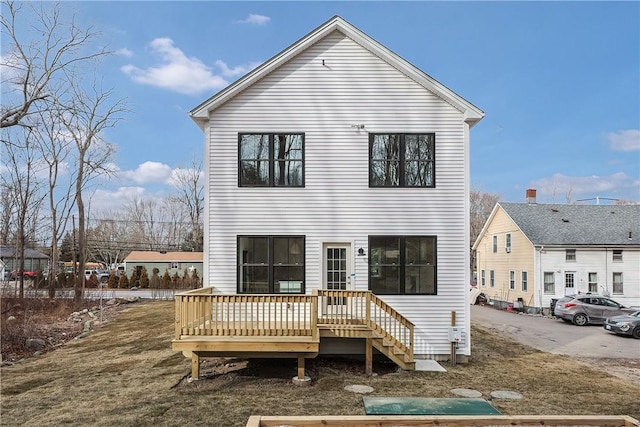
361, 389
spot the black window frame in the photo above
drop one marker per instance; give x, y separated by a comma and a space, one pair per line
402, 264
402, 159
271, 265
271, 159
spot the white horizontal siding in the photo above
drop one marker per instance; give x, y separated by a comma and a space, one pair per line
593, 260
336, 204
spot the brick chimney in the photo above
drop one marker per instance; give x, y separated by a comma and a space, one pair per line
531, 196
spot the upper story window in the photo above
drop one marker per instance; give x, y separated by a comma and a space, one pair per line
495, 244
617, 255
570, 255
507, 242
402, 160
271, 160
402, 265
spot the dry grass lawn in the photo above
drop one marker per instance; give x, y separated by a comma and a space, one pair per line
125, 374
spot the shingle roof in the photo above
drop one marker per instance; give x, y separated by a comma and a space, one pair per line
9, 252
546, 224
154, 256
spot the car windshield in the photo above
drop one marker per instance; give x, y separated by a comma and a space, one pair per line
636, 314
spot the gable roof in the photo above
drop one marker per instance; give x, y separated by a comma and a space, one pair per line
154, 256
472, 114
551, 224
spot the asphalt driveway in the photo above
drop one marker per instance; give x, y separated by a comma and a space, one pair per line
555, 336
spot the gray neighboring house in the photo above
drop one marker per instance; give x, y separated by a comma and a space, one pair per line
173, 262
533, 253
33, 260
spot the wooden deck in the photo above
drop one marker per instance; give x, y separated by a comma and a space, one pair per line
210, 325
419, 420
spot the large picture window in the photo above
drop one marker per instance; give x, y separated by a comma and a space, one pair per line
402, 160
271, 264
271, 160
402, 265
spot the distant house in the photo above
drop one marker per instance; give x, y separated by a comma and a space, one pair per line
337, 183
529, 254
173, 262
34, 261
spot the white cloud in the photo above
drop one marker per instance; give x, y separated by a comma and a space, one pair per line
559, 186
177, 72
112, 200
235, 71
10, 67
626, 140
124, 52
180, 174
255, 19
149, 172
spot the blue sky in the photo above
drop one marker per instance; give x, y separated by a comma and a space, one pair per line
559, 81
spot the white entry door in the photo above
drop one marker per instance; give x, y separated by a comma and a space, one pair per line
569, 283
337, 271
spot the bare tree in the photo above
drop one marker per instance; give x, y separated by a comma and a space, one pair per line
89, 112
107, 239
190, 195
55, 148
155, 225
20, 164
31, 69
7, 206
480, 206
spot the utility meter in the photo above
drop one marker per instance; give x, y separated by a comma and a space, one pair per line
455, 334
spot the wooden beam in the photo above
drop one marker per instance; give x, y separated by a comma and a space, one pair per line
450, 420
195, 365
368, 363
301, 367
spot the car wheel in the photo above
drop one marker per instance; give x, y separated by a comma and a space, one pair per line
481, 300
580, 319
636, 332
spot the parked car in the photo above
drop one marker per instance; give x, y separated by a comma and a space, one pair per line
584, 309
103, 276
27, 274
478, 296
626, 324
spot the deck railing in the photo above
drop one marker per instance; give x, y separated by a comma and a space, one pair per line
365, 308
200, 312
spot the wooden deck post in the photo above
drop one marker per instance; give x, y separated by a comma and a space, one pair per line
301, 367
195, 365
368, 364
453, 345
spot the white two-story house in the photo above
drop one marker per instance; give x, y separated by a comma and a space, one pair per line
337, 165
